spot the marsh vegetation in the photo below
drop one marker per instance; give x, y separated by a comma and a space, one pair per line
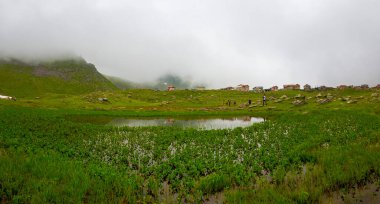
302, 154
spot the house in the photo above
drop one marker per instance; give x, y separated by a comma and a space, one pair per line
306, 87
292, 87
324, 88
258, 89
274, 88
242, 87
200, 88
361, 87
342, 87
364, 86
171, 88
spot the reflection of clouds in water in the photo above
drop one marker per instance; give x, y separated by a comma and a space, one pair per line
207, 124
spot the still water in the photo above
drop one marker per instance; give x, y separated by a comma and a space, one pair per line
198, 123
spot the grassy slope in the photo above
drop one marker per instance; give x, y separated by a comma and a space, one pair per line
64, 77
211, 102
297, 138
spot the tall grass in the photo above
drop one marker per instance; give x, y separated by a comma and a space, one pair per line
292, 158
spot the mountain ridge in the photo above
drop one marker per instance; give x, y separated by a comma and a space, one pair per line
63, 76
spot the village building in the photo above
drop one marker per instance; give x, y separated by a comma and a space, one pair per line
242, 87
323, 88
171, 88
364, 86
361, 87
274, 88
292, 87
258, 89
306, 87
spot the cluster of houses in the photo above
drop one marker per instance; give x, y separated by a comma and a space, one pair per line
198, 88
306, 87
259, 89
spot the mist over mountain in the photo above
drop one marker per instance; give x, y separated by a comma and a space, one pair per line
20, 77
70, 74
160, 83
223, 43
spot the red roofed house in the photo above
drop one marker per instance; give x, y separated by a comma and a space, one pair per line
274, 88
171, 88
242, 87
306, 87
292, 87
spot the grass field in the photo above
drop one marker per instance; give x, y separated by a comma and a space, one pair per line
308, 149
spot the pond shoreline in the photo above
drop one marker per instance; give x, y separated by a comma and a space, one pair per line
198, 122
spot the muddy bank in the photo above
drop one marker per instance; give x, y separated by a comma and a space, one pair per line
369, 193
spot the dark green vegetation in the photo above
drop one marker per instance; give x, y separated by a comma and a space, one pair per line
314, 143
72, 76
294, 158
300, 155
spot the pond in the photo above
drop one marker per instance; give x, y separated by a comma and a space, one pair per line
198, 123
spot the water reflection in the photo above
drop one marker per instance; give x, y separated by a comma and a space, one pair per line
198, 123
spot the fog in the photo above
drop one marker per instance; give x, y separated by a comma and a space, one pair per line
218, 43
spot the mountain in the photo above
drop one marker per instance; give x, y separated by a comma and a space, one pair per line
65, 76
159, 84
126, 84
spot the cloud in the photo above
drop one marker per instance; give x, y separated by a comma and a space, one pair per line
222, 43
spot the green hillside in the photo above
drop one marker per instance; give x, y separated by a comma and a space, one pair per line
70, 76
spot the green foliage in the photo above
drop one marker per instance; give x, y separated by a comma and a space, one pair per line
214, 183
279, 174
267, 195
295, 157
48, 177
45, 156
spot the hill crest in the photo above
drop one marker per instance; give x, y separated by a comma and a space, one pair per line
63, 76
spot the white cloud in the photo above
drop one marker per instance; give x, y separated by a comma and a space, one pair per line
259, 42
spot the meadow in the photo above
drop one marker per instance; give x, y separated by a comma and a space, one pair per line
303, 153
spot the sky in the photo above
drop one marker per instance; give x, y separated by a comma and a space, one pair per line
216, 42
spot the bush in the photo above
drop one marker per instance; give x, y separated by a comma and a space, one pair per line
214, 183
